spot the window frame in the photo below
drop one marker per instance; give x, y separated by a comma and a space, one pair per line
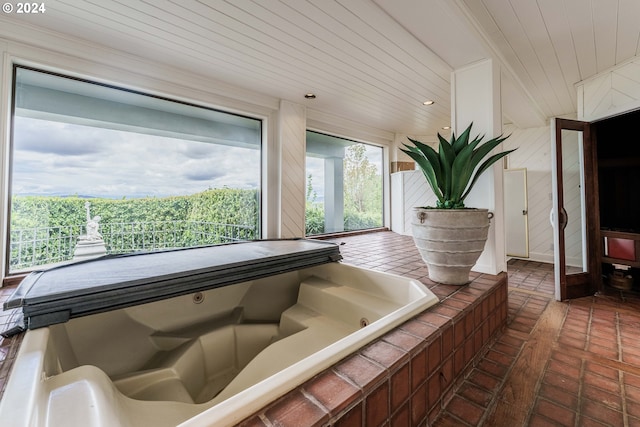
384, 176
9, 144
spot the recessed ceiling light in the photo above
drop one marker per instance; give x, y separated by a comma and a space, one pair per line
310, 95
429, 102
446, 127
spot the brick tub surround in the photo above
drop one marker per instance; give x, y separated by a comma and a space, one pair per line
406, 377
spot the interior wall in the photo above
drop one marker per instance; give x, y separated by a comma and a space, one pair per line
533, 153
611, 92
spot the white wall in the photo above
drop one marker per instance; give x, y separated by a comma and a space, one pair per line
409, 189
611, 92
534, 154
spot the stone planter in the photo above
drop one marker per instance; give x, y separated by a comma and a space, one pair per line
450, 241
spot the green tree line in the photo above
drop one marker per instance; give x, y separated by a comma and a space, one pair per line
362, 195
44, 228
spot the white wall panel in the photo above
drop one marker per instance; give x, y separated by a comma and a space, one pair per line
292, 143
610, 93
534, 153
5, 108
409, 189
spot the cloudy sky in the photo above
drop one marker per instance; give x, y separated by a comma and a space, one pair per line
52, 158
60, 159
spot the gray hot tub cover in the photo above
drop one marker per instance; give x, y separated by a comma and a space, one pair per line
112, 282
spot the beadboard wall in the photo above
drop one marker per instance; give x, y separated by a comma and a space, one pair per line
611, 92
534, 154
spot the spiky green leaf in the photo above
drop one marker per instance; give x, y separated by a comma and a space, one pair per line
462, 141
446, 157
461, 173
484, 166
430, 154
427, 169
454, 169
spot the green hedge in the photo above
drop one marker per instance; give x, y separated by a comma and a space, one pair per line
353, 220
53, 223
229, 206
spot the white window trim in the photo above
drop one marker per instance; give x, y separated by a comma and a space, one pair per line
150, 79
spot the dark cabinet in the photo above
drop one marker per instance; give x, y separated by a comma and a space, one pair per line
618, 172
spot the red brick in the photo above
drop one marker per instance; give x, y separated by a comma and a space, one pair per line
418, 369
296, 410
604, 383
402, 418
559, 396
554, 412
475, 394
353, 418
613, 401
484, 380
385, 354
465, 410
400, 387
433, 319
538, 420
570, 385
253, 422
447, 342
499, 358
361, 371
602, 413
492, 368
377, 406
403, 340
332, 391
433, 391
572, 371
434, 355
419, 405
419, 329
446, 373
459, 334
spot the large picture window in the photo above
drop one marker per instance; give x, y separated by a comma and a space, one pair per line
120, 171
344, 185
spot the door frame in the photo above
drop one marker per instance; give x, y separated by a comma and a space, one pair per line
587, 283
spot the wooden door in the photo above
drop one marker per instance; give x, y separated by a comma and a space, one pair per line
574, 214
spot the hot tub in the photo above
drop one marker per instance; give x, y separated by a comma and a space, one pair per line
203, 336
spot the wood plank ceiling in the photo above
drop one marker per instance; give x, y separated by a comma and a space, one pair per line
371, 61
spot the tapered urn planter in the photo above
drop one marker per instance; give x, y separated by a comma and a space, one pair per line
451, 237
450, 241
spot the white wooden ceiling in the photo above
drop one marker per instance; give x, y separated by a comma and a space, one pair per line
372, 61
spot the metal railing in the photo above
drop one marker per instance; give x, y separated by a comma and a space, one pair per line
33, 247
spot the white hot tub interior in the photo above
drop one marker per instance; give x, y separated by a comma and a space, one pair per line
208, 358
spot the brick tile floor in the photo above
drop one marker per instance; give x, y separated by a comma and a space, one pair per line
590, 376
587, 366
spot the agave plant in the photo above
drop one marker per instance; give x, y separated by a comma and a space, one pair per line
453, 170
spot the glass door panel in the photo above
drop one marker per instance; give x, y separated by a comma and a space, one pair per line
571, 218
573, 212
